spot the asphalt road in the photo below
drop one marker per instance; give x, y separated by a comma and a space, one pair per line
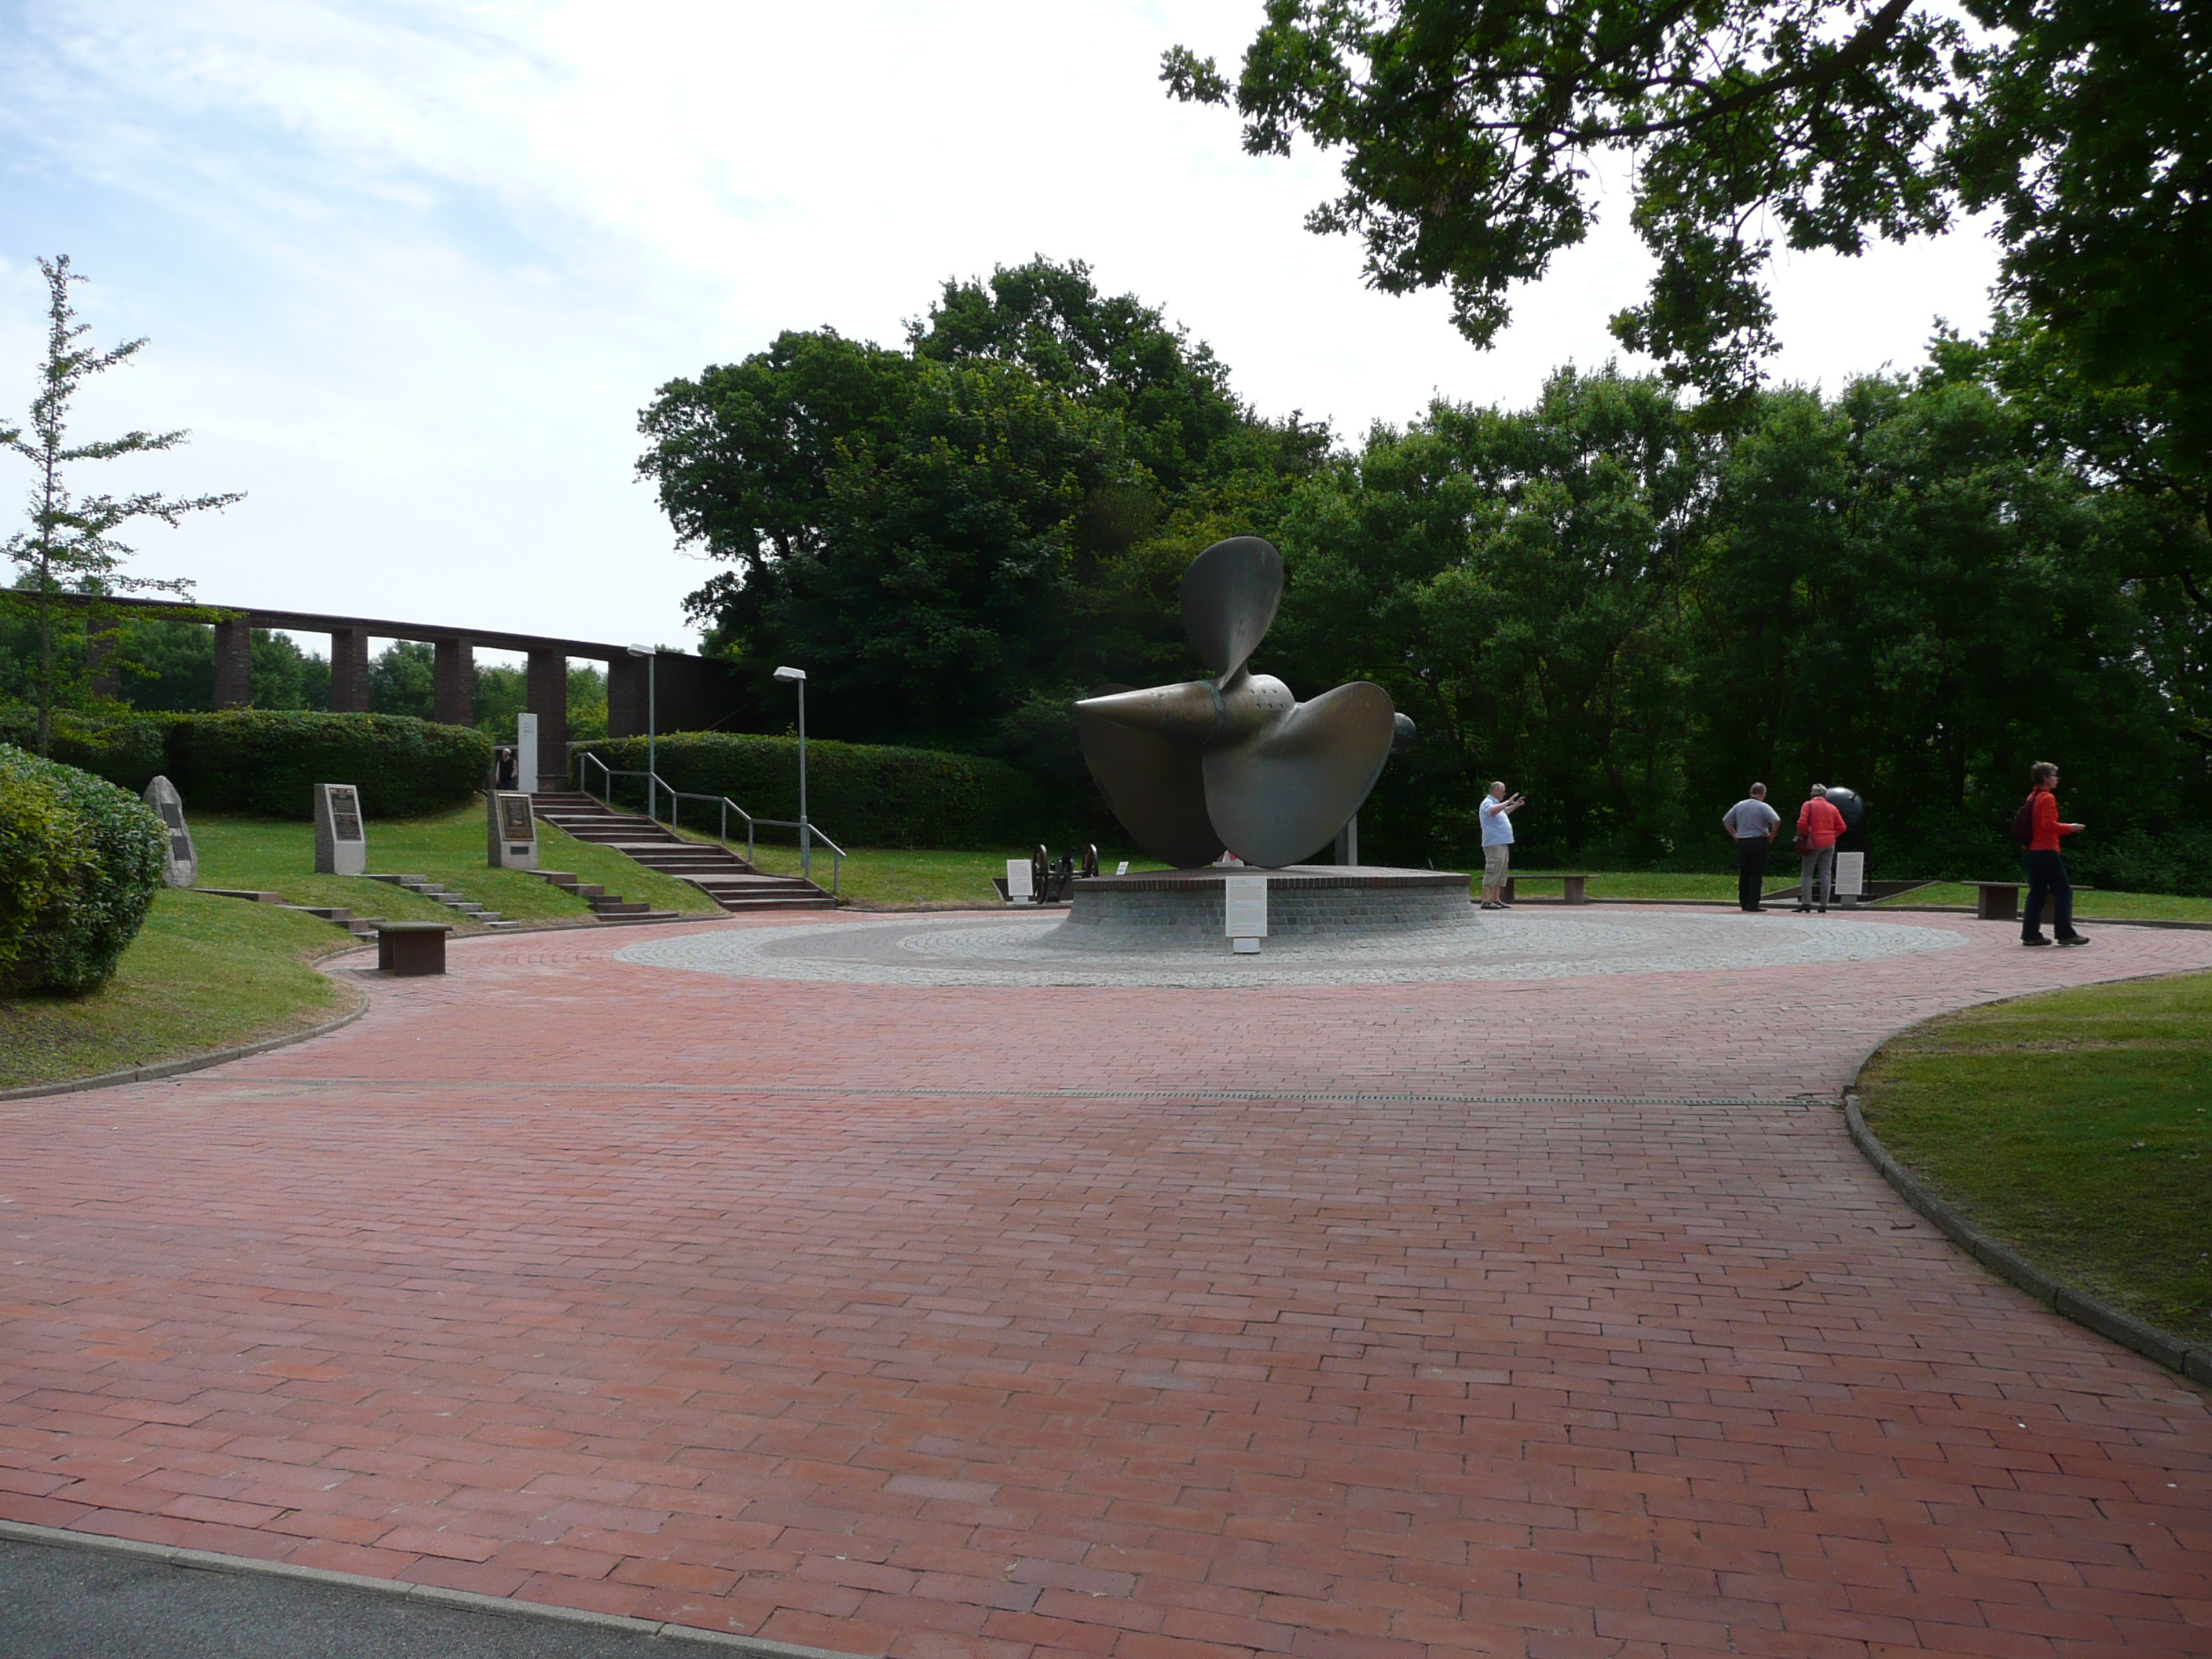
61, 1603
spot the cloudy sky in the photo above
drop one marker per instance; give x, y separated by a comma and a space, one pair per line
410, 269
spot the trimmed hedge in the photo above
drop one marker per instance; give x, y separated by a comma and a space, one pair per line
267, 761
127, 752
80, 860
862, 794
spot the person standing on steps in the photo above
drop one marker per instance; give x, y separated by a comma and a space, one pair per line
1819, 824
2046, 865
1751, 823
1497, 810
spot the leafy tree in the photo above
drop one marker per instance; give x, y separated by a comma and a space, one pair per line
1118, 355
958, 538
72, 544
1902, 591
1515, 580
1470, 127
2089, 126
943, 587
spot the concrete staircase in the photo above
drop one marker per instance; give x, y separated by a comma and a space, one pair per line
721, 874
438, 893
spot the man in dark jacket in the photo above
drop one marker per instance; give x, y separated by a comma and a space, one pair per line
2046, 866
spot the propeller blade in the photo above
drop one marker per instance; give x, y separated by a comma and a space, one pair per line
1155, 785
1229, 599
1280, 797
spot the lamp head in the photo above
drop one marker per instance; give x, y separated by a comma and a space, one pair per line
643, 650
791, 676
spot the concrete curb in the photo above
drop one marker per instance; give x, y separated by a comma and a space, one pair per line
161, 1068
2194, 1362
753, 1647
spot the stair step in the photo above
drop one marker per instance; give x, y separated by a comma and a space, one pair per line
731, 882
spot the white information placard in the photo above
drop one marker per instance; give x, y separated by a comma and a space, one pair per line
1020, 888
526, 753
1244, 911
1850, 874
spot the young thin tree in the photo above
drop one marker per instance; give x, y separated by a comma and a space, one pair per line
72, 544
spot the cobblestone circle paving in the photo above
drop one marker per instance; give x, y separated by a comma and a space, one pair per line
1540, 1317
1514, 946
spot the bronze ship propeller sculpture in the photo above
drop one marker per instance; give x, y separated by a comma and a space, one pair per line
1236, 763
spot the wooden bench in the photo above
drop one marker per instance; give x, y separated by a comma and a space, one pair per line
1575, 887
412, 947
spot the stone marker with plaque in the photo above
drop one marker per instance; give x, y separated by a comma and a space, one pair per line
525, 752
1244, 913
1851, 877
180, 864
341, 842
510, 830
1020, 888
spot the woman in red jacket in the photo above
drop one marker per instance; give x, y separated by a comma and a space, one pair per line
1819, 824
2046, 869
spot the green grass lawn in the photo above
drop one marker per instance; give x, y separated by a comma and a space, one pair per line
448, 848
204, 973
2119, 907
894, 878
882, 879
1628, 884
2075, 1127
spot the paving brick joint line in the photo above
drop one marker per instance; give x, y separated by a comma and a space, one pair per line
1348, 1322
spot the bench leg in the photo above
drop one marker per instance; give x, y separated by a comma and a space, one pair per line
1575, 894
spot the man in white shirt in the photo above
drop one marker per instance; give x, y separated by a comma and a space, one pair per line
1751, 824
1497, 810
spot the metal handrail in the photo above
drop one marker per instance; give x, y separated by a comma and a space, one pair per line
655, 784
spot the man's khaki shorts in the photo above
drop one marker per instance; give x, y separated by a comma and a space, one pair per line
1494, 860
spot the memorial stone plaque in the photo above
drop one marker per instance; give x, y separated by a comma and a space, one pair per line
525, 751
180, 864
1020, 888
510, 831
1244, 912
341, 842
1850, 876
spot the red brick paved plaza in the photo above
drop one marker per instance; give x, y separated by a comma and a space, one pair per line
1023, 1322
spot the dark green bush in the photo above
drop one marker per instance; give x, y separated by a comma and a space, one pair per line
862, 794
268, 761
80, 860
127, 752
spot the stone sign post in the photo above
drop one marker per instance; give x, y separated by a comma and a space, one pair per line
1244, 913
1851, 877
525, 751
341, 842
180, 864
510, 830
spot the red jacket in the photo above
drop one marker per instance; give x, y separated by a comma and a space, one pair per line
1819, 819
2044, 838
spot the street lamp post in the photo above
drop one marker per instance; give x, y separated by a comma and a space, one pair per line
798, 676
651, 653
